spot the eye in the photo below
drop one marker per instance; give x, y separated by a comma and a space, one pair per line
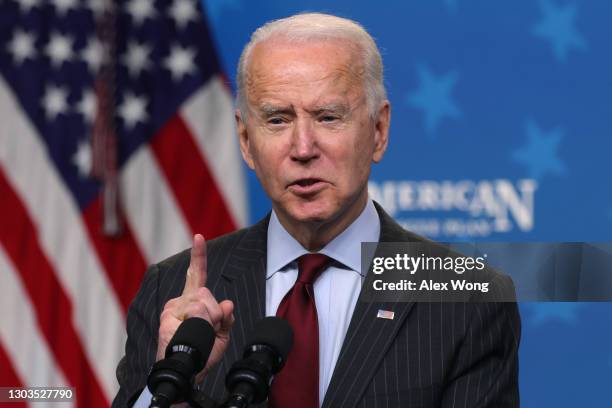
276, 121
328, 118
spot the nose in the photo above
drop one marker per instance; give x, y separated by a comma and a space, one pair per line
304, 142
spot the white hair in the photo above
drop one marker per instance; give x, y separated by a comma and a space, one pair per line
306, 27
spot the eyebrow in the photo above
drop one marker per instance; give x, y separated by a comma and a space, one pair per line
269, 110
339, 108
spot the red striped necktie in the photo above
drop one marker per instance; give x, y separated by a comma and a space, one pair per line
297, 385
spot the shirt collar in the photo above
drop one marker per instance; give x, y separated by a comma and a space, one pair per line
345, 248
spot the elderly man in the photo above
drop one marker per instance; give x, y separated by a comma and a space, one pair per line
312, 116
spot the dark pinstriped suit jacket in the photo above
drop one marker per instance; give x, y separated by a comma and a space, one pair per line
429, 355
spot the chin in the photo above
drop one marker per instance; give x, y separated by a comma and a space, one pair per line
310, 212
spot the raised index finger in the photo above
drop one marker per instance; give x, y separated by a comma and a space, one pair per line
196, 273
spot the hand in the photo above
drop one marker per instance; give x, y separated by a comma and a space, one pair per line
197, 301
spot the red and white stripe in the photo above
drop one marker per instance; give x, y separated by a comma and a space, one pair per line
36, 365
65, 287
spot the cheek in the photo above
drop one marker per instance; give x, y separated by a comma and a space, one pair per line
357, 167
358, 153
268, 161
350, 167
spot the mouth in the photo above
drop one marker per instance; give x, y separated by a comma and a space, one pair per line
306, 186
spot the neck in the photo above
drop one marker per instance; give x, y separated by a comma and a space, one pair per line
315, 235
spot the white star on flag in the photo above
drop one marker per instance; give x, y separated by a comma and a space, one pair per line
180, 62
82, 159
133, 110
63, 6
183, 11
87, 106
136, 58
21, 46
93, 54
59, 49
140, 10
26, 5
55, 101
98, 7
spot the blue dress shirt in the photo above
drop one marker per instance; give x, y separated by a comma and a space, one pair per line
337, 288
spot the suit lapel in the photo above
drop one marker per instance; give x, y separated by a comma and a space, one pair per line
244, 278
240, 259
368, 337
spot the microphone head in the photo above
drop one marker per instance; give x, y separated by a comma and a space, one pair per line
275, 333
195, 333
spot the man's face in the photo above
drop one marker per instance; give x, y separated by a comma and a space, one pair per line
308, 134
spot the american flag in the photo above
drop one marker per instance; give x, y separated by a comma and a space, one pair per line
117, 143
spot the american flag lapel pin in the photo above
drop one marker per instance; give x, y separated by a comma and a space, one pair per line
385, 314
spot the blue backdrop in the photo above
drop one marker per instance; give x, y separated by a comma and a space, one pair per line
501, 131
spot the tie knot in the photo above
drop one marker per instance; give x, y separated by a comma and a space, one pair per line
310, 266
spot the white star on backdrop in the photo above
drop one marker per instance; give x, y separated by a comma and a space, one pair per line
140, 10
82, 159
26, 5
183, 11
93, 54
63, 6
22, 46
87, 106
55, 101
59, 49
136, 58
433, 97
180, 62
540, 153
558, 26
133, 110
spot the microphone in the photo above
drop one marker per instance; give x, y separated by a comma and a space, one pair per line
170, 380
248, 381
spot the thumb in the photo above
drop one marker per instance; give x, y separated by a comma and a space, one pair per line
227, 307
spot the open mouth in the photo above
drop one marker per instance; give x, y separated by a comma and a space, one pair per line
306, 182
307, 186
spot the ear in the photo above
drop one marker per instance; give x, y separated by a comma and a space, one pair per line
243, 135
381, 131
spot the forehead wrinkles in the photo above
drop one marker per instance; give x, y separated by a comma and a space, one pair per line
292, 71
